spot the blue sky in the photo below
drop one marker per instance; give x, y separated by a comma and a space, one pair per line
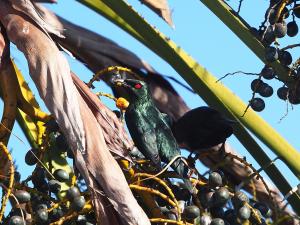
205, 38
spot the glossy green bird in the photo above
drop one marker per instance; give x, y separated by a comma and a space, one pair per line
149, 128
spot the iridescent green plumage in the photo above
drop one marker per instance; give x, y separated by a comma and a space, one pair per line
149, 128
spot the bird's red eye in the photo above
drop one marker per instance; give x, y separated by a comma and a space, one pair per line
138, 86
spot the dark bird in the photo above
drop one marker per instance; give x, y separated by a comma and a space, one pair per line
201, 128
149, 128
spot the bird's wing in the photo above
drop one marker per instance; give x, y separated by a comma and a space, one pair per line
144, 137
167, 119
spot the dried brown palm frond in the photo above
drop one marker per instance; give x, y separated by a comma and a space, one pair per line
51, 74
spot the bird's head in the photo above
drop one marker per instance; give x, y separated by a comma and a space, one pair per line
131, 89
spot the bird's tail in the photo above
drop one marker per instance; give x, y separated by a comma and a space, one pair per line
182, 170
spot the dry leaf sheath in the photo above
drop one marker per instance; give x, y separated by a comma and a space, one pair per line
51, 74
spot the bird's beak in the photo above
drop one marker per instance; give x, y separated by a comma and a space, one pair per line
119, 82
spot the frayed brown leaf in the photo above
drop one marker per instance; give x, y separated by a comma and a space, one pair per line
161, 8
28, 8
98, 52
51, 74
115, 136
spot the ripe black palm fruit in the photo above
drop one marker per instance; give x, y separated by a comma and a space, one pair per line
221, 197
72, 193
282, 93
271, 54
280, 29
181, 192
16, 220
296, 10
78, 203
269, 35
267, 72
239, 199
31, 156
202, 127
61, 175
206, 197
41, 216
257, 104
217, 221
244, 213
22, 196
256, 84
191, 212
292, 29
266, 90
285, 58
215, 180
293, 97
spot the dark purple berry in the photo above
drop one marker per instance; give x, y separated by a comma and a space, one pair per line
191, 212
271, 54
266, 90
61, 175
296, 10
256, 84
215, 180
72, 193
282, 93
267, 72
78, 203
293, 97
257, 104
221, 196
22, 196
244, 212
285, 58
269, 35
292, 29
206, 198
280, 29
31, 156
42, 216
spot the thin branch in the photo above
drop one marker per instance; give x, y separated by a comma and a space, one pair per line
237, 72
240, 6
290, 46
